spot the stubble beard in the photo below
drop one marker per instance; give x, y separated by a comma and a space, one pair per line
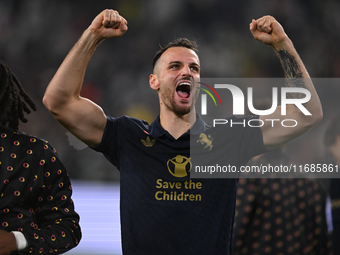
169, 102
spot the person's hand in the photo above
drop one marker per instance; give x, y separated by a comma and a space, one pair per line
108, 24
8, 243
268, 31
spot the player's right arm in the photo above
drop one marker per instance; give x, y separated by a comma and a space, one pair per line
83, 118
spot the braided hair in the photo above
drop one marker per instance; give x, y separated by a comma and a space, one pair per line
13, 99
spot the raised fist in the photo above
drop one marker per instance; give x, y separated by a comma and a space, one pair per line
268, 31
108, 24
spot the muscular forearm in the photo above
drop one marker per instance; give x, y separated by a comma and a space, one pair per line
66, 84
298, 77
290, 60
83, 118
270, 32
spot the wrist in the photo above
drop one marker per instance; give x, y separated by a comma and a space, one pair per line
21, 242
89, 41
284, 44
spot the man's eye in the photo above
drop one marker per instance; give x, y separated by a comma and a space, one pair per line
194, 68
174, 66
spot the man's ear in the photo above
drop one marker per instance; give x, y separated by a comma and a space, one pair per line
153, 80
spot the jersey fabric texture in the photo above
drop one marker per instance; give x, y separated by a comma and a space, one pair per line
163, 211
35, 194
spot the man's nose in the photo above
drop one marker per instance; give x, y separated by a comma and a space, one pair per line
186, 71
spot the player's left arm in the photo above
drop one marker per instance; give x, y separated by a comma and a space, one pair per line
269, 31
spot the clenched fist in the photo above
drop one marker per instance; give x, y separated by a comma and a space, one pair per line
108, 24
268, 31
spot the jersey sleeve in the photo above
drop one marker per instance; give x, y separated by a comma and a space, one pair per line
108, 145
55, 227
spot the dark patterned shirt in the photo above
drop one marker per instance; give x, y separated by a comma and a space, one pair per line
35, 194
335, 208
279, 217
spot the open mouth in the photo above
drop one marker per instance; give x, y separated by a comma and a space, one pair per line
183, 90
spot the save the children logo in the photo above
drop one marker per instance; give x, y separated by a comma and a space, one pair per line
181, 190
179, 166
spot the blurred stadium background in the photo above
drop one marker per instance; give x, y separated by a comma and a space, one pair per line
36, 35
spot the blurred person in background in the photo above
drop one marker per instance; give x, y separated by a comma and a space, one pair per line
284, 215
163, 211
280, 215
36, 210
332, 144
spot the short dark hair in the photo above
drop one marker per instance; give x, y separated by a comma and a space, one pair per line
12, 106
180, 42
332, 130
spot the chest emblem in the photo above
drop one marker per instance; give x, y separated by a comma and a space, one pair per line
179, 166
206, 141
148, 142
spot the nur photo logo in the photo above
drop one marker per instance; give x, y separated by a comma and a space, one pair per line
237, 95
204, 97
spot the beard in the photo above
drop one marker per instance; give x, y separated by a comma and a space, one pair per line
168, 100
